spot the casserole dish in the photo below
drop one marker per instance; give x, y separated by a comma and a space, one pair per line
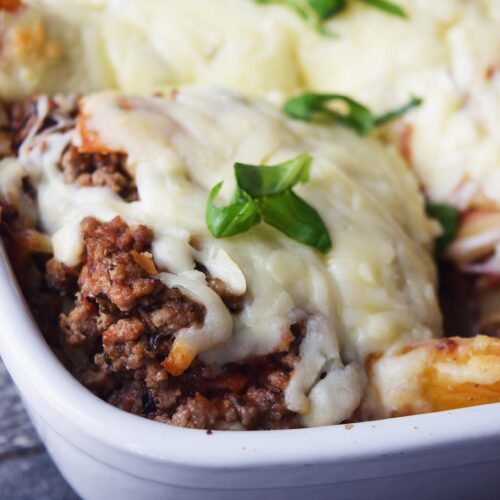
104, 452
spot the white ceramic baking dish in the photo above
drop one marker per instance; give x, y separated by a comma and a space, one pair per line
105, 453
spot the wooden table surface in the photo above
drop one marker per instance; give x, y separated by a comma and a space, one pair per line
26, 470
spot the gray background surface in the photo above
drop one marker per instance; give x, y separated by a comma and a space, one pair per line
26, 470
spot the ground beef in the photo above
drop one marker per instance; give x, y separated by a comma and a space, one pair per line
17, 119
5, 136
23, 116
62, 278
458, 300
121, 326
94, 169
233, 302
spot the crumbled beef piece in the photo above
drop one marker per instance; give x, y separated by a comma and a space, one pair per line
269, 403
95, 169
172, 312
122, 331
166, 397
61, 277
126, 356
25, 246
4, 144
5, 138
154, 374
23, 116
110, 273
197, 412
96, 378
80, 325
129, 397
233, 302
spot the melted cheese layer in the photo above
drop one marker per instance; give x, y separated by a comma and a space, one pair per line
374, 288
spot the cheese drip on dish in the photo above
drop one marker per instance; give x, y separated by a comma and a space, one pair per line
373, 290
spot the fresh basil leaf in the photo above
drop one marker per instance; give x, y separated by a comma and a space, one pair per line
264, 181
300, 7
314, 12
389, 7
326, 9
448, 218
311, 14
396, 113
237, 217
294, 217
311, 106
265, 192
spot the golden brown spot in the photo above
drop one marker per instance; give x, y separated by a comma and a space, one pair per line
90, 139
145, 260
449, 345
179, 358
195, 242
444, 395
32, 44
491, 71
123, 103
10, 5
370, 361
404, 145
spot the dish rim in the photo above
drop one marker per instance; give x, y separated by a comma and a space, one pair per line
135, 435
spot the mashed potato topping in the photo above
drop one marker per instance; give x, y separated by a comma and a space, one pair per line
373, 290
447, 52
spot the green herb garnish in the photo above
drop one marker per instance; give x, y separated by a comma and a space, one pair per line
315, 107
398, 112
265, 193
388, 7
327, 8
448, 218
313, 12
316, 12
239, 216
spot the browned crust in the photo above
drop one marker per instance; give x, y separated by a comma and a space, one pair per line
10, 5
449, 373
